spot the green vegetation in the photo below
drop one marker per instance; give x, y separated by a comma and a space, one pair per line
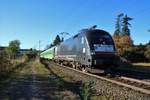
138, 53
5, 63
56, 41
118, 25
63, 35
143, 67
124, 43
86, 92
8, 67
13, 49
147, 51
40, 68
142, 64
8, 59
126, 24
122, 33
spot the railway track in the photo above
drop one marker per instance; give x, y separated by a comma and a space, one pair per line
131, 83
134, 84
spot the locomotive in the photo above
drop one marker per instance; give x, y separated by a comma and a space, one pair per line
89, 50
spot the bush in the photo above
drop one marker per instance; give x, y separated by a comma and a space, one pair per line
25, 58
87, 88
133, 54
147, 52
4, 63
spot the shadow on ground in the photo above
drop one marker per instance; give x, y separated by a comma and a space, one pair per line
40, 87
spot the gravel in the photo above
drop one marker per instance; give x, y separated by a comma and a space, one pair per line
103, 88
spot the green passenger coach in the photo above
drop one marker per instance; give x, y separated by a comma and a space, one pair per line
48, 54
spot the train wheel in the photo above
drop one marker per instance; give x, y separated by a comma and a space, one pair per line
73, 65
77, 66
61, 64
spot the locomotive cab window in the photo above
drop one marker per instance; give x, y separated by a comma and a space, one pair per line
98, 39
103, 40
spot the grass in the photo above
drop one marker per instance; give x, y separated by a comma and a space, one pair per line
141, 66
40, 68
136, 66
48, 83
25, 70
67, 95
15, 68
11, 69
86, 90
144, 65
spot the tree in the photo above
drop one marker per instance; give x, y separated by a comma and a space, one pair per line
57, 40
125, 29
117, 39
118, 25
122, 37
63, 35
126, 41
13, 48
147, 52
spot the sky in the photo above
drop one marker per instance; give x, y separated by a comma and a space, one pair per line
32, 20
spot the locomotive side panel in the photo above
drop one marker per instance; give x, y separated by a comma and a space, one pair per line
84, 53
75, 49
67, 50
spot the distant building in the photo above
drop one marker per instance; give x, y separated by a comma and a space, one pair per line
21, 52
24, 51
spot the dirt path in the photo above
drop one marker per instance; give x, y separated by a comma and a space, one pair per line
26, 86
35, 82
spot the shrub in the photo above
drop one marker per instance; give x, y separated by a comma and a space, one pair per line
147, 52
4, 63
25, 58
133, 54
86, 90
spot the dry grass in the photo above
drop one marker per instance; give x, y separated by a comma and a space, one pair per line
142, 64
40, 68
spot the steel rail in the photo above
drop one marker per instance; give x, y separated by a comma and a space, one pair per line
135, 80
